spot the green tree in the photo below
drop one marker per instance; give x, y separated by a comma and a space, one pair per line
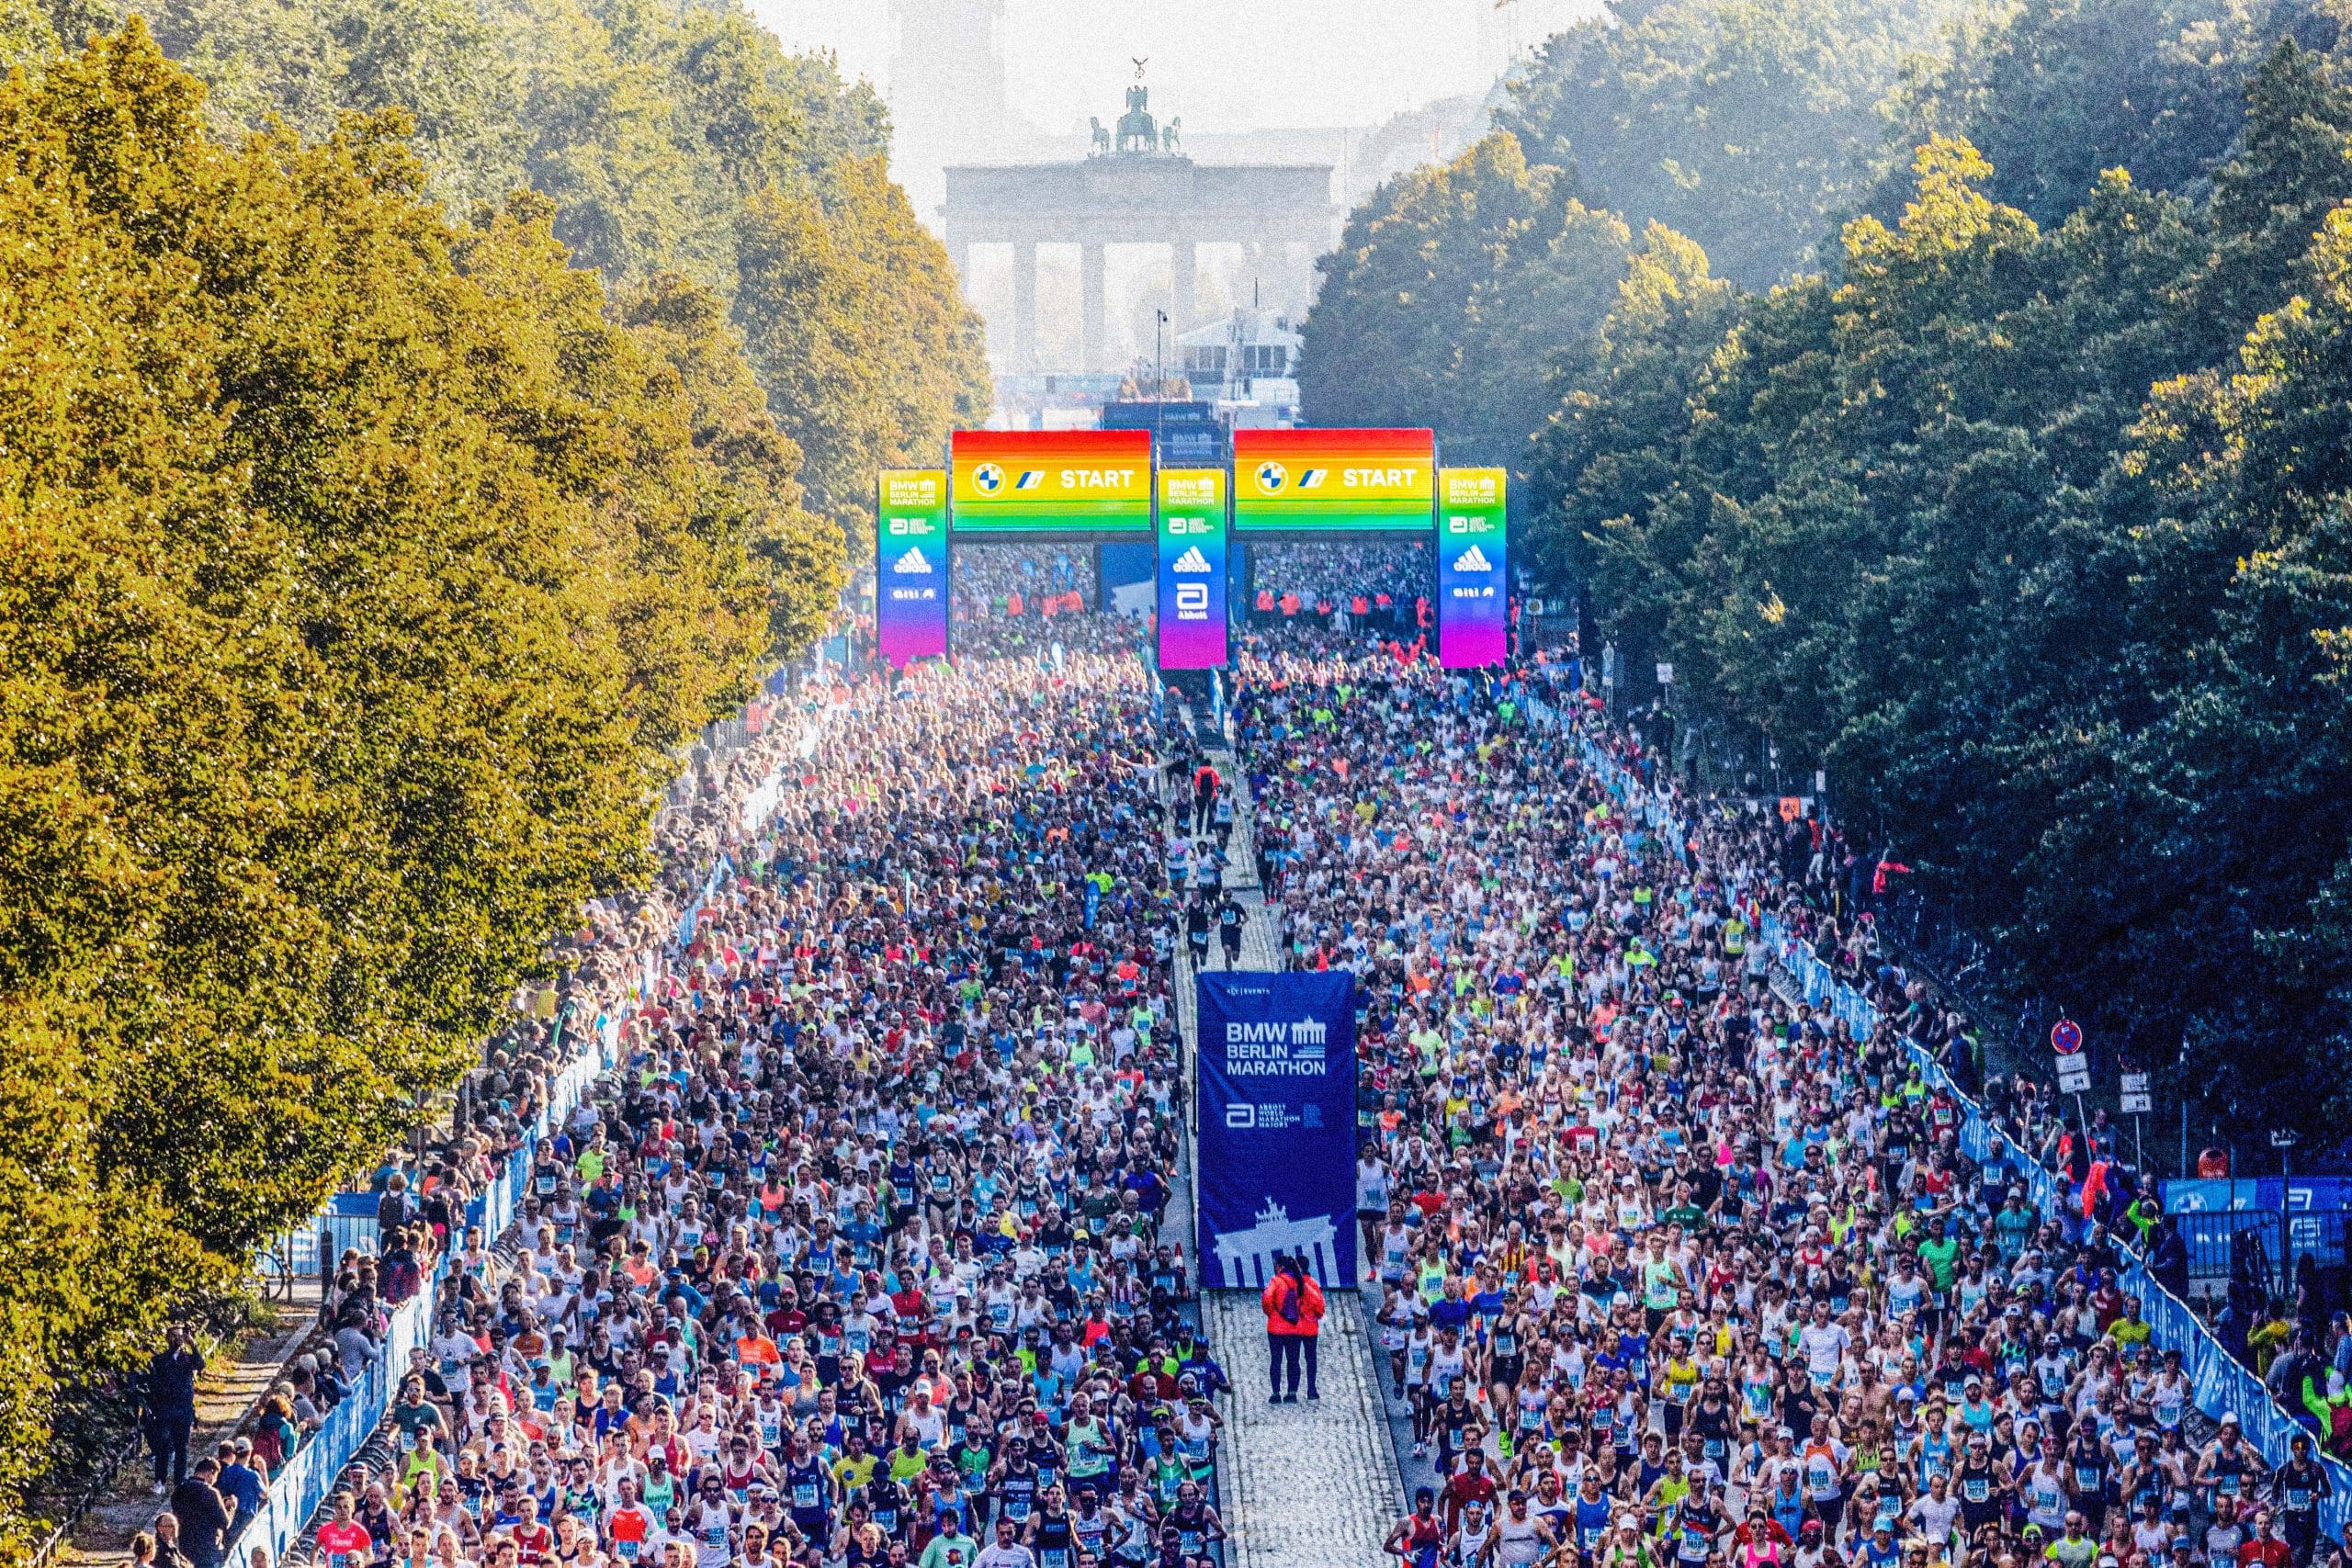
1749, 125
361, 572
1452, 297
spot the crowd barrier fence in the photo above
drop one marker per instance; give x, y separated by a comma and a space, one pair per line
306, 1480
2219, 1380
348, 1222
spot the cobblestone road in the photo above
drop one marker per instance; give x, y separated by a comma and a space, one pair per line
1308, 1484
1312, 1483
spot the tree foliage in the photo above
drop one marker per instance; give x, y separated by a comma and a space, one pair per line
2062, 90
677, 139
1749, 125
2036, 537
1449, 294
360, 571
2023, 512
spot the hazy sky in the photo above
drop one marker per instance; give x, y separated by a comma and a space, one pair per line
1223, 64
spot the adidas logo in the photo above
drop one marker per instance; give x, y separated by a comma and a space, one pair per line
1473, 560
1191, 560
912, 563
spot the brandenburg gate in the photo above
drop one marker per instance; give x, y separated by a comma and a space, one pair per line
1136, 187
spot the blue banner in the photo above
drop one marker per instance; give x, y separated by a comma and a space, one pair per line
1277, 1067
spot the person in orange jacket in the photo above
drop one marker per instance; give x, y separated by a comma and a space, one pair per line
1294, 1303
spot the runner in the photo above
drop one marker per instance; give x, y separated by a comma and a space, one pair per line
855, 1258
1681, 1250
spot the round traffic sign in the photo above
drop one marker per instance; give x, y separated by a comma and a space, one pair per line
2066, 1037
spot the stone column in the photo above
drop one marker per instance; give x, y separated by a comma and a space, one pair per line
1182, 268
1024, 306
1089, 306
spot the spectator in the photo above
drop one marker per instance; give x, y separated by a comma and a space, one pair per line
204, 1517
169, 1415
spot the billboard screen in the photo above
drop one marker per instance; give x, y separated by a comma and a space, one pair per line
1473, 569
1051, 481
1312, 481
1277, 1067
911, 565
1192, 569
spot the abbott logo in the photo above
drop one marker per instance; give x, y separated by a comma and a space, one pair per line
1243, 1117
1473, 560
1192, 560
1191, 601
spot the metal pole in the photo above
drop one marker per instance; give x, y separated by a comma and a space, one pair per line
2286, 1217
1158, 380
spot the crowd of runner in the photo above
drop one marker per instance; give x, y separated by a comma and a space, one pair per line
1670, 1268
1009, 581
861, 1258
1376, 585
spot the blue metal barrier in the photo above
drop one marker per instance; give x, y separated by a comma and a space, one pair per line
304, 1483
2219, 1381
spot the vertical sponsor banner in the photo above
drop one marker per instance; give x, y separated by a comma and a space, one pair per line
1192, 569
1473, 569
1277, 1067
911, 565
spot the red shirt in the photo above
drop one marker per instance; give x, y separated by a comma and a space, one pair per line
2260, 1554
1464, 1488
345, 1545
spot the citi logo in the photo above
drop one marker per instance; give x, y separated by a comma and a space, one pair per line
1473, 560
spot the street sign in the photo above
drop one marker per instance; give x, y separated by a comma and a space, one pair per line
2282, 1137
1664, 673
2074, 1073
2066, 1037
2135, 1099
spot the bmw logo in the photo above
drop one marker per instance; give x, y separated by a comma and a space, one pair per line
988, 479
1271, 477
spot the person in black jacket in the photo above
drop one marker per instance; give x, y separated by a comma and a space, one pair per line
170, 1413
204, 1517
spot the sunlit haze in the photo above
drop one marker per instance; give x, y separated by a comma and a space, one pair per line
1224, 65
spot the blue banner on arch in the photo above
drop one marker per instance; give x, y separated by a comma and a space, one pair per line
1277, 1067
